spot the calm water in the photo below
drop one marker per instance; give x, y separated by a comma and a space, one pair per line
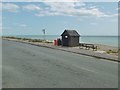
105, 40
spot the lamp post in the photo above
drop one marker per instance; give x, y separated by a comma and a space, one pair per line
44, 33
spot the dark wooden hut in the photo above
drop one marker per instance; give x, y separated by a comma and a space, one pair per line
70, 38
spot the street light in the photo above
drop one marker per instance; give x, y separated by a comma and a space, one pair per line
44, 33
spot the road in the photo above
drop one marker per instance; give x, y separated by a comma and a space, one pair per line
28, 66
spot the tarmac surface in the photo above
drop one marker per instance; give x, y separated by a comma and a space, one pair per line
28, 66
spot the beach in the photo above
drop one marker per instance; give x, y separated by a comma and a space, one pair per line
108, 49
31, 66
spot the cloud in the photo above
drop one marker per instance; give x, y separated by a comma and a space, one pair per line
60, 0
79, 4
19, 24
92, 6
118, 8
113, 15
69, 9
10, 7
118, 14
22, 25
31, 7
59, 9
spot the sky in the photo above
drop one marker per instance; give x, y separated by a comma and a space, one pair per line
87, 18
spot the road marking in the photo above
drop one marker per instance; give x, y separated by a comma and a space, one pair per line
88, 69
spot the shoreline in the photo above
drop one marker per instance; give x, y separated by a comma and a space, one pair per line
83, 39
103, 51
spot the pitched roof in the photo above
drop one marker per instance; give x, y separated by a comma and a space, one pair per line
71, 32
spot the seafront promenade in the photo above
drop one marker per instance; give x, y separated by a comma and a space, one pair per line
77, 50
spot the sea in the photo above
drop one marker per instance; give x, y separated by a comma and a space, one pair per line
104, 40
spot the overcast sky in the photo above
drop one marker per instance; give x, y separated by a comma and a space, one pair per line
90, 18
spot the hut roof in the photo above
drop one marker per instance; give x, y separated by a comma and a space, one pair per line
70, 33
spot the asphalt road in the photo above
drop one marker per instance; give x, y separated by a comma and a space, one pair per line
28, 66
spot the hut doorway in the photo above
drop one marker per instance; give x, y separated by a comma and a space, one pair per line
66, 40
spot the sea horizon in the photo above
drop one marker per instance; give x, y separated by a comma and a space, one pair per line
57, 35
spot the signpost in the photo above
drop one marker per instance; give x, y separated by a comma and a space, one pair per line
44, 33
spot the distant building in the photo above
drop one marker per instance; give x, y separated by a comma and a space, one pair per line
70, 38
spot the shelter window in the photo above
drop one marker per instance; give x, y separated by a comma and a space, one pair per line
66, 36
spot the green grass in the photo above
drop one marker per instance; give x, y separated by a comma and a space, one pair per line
35, 40
30, 40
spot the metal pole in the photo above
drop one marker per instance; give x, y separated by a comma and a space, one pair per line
44, 33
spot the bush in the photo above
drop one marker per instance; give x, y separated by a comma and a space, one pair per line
35, 40
111, 51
